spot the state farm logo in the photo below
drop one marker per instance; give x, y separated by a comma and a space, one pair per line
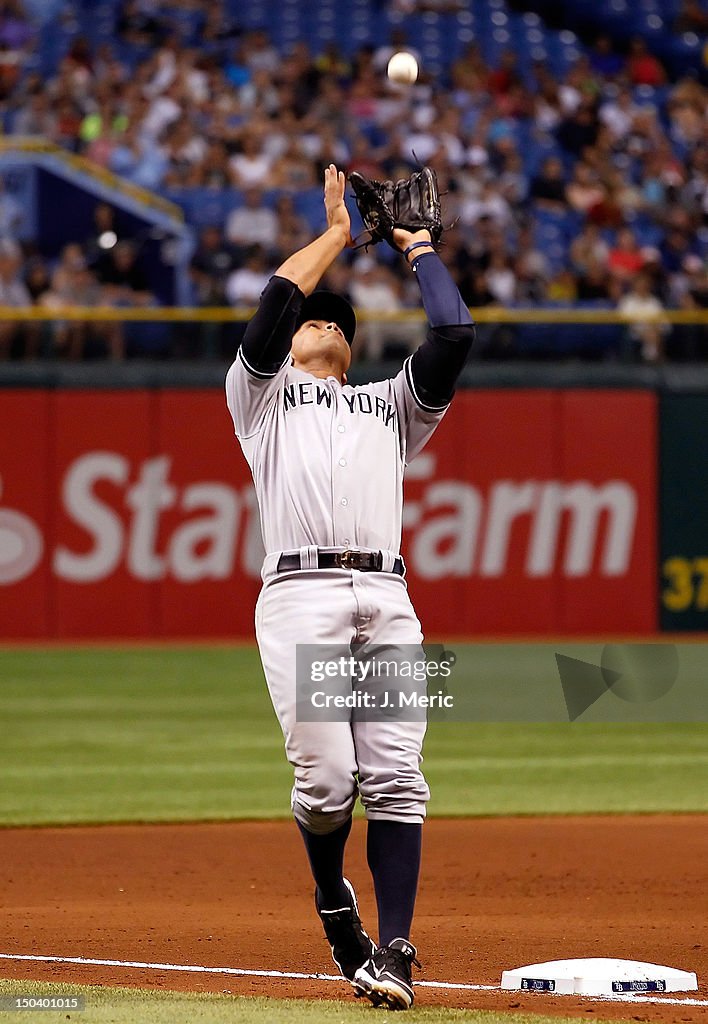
457, 530
128, 530
454, 529
217, 523
21, 545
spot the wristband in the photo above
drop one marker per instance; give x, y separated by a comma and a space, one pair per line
417, 245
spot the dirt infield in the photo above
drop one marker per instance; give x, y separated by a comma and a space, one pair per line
495, 893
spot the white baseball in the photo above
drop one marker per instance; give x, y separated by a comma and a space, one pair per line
402, 68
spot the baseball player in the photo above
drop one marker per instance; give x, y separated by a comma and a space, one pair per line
327, 461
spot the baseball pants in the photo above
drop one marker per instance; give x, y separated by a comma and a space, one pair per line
334, 761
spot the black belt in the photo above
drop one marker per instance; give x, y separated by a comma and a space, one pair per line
364, 561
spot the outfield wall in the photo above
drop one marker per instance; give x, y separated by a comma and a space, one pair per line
130, 513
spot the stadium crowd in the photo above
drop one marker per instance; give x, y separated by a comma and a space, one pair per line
587, 189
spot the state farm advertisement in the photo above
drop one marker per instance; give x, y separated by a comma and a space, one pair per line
130, 514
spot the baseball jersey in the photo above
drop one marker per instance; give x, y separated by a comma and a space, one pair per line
327, 459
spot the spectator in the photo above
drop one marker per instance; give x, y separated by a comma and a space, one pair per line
79, 56
185, 150
643, 67
244, 286
644, 133
686, 286
694, 195
218, 29
548, 187
489, 205
213, 171
213, 261
562, 287
531, 268
260, 53
35, 116
584, 190
625, 259
376, 290
364, 160
332, 62
16, 37
674, 248
691, 18
690, 292
293, 171
604, 59
578, 130
188, 118
686, 108
589, 247
594, 283
11, 213
506, 75
475, 290
137, 26
161, 71
37, 279
138, 159
125, 284
236, 70
99, 132
15, 336
293, 230
73, 284
67, 125
547, 113
124, 281
253, 223
625, 194
618, 113
259, 93
164, 110
500, 279
252, 166
646, 338
607, 213
513, 181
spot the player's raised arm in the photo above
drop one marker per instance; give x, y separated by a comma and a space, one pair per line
306, 267
268, 337
433, 369
407, 216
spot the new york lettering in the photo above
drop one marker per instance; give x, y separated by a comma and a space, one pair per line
359, 402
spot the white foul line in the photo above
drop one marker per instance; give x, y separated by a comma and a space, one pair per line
243, 972
238, 971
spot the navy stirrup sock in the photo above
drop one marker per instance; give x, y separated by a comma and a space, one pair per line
326, 856
441, 299
393, 851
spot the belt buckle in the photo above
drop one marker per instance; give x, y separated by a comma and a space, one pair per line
351, 559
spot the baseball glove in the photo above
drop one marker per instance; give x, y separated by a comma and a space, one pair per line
410, 203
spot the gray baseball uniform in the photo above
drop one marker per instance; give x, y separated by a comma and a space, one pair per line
328, 463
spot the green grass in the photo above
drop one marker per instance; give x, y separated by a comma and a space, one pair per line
119, 1006
161, 734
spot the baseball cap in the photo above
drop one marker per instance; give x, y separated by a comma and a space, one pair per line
333, 308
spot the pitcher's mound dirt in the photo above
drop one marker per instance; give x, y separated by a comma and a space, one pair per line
495, 893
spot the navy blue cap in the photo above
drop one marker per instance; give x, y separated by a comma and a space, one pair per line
333, 308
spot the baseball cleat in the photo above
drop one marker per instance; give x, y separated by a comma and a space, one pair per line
386, 976
351, 946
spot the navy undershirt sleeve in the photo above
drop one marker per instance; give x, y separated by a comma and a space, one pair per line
442, 301
437, 364
269, 334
